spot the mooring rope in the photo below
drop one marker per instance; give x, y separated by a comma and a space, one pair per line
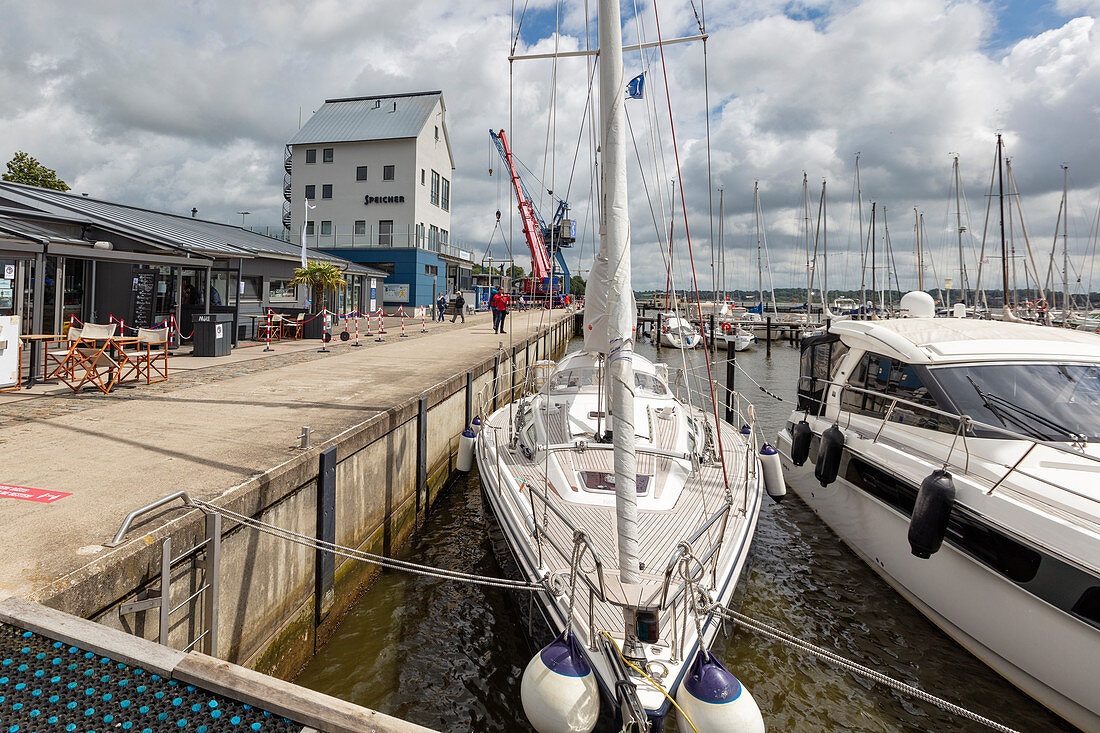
793, 641
367, 557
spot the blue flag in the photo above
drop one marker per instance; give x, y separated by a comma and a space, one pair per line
635, 87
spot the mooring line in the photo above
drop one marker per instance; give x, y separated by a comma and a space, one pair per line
367, 557
793, 641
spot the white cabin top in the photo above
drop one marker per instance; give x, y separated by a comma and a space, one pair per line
935, 341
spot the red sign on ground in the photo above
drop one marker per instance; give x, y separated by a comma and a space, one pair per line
22, 492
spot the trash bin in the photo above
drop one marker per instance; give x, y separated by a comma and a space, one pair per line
213, 334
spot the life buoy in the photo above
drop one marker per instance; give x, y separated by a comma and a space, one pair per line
1029, 305
1041, 304
727, 327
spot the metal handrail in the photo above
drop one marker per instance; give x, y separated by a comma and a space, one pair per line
117, 540
679, 552
578, 535
971, 423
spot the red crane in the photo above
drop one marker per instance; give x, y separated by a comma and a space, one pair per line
532, 225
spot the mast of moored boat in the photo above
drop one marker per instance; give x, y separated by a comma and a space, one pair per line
874, 286
1065, 244
759, 260
920, 257
959, 230
1004, 244
620, 299
862, 251
811, 260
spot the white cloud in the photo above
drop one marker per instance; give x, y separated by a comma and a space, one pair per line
174, 106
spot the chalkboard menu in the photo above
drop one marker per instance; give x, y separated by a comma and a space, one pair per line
145, 280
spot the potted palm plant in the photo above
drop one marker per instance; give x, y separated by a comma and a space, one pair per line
320, 278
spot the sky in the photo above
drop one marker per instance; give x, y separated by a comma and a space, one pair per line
189, 104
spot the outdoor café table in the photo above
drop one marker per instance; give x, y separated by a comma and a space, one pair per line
256, 320
35, 341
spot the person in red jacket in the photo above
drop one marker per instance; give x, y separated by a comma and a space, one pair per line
498, 303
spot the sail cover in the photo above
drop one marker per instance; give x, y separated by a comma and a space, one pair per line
596, 314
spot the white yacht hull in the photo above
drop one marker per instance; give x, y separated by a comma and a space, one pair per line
1039, 648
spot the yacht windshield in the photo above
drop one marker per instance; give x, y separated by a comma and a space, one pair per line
580, 378
1056, 402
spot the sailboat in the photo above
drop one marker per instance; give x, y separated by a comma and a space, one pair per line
632, 508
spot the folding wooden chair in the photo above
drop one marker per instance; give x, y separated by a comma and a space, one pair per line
57, 352
90, 360
295, 326
271, 328
148, 359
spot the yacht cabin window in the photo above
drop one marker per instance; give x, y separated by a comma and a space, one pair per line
893, 378
821, 358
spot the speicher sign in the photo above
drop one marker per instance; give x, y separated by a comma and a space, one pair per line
368, 200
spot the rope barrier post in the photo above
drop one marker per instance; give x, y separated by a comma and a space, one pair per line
381, 330
324, 332
423, 319
768, 335
357, 314
401, 311
731, 377
267, 335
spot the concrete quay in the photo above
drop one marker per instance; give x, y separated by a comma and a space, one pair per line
226, 431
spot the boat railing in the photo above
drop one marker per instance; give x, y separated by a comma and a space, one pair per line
599, 590
706, 556
965, 425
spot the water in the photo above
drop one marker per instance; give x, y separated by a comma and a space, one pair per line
450, 656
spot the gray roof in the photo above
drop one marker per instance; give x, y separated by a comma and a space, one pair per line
173, 231
368, 118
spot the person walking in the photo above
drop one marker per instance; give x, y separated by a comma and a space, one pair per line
460, 307
440, 306
499, 304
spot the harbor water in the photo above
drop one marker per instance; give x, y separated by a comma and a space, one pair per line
449, 656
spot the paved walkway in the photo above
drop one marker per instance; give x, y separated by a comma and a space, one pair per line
205, 430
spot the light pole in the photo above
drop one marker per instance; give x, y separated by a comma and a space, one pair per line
243, 215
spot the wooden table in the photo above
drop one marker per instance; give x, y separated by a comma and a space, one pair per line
35, 340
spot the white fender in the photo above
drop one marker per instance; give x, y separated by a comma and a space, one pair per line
466, 450
558, 690
715, 701
773, 472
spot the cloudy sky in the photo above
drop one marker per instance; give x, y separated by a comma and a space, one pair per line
174, 105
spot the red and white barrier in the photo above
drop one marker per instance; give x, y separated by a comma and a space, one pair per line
267, 335
381, 329
324, 332
401, 311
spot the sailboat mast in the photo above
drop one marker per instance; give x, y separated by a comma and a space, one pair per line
1001, 201
874, 287
824, 254
722, 241
759, 261
959, 228
920, 255
862, 253
809, 258
1065, 243
620, 291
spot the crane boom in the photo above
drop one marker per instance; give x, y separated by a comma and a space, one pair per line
532, 224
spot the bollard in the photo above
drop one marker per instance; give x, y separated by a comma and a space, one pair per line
768, 337
731, 378
657, 333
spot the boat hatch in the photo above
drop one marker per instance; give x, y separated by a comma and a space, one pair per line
602, 481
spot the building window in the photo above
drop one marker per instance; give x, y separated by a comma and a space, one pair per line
385, 233
360, 173
432, 270
326, 228
435, 188
309, 227
421, 176
387, 173
433, 238
445, 195
311, 155
281, 290
311, 192
252, 287
326, 191
443, 237
360, 226
326, 155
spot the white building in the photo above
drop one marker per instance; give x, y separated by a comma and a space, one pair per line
377, 172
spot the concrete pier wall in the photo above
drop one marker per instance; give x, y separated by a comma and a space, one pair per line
271, 613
